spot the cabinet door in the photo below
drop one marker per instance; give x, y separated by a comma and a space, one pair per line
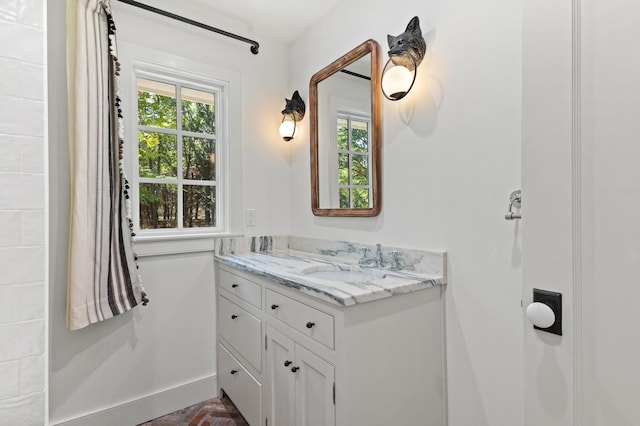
314, 390
281, 380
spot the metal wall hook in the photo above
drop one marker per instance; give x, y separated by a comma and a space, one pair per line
515, 202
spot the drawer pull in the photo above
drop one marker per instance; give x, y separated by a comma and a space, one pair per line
234, 316
274, 307
287, 363
234, 285
294, 369
234, 371
310, 324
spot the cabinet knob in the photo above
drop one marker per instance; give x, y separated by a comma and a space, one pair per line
234, 316
310, 324
274, 307
234, 285
234, 371
294, 369
287, 363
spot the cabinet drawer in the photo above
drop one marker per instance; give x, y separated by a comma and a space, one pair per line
243, 389
241, 287
314, 323
242, 330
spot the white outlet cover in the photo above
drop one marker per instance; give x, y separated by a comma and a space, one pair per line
250, 217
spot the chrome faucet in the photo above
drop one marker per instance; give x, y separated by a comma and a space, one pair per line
366, 262
379, 260
371, 262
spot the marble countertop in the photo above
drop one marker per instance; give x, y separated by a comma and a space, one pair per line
325, 274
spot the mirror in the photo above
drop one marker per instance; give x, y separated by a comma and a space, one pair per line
346, 134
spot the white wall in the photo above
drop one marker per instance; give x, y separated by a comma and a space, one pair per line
22, 214
161, 357
451, 157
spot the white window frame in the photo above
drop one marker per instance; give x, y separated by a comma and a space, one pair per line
181, 79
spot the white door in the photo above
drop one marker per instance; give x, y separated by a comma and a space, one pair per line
581, 209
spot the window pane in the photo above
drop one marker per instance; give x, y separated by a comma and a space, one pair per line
360, 170
359, 136
344, 198
343, 134
156, 104
343, 169
158, 206
199, 159
198, 111
157, 155
199, 206
360, 198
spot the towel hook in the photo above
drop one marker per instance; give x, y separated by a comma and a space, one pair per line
515, 201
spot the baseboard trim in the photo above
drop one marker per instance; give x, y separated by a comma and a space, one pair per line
149, 407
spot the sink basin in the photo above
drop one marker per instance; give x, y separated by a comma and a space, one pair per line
342, 273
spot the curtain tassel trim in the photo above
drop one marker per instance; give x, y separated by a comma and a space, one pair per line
113, 51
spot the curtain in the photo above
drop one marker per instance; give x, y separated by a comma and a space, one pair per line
103, 279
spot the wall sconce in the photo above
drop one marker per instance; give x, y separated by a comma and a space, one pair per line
406, 52
292, 113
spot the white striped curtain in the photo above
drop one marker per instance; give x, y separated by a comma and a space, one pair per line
103, 280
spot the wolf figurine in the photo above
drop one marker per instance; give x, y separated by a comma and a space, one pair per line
410, 42
294, 107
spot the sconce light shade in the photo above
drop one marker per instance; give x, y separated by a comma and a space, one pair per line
406, 52
292, 113
397, 80
287, 128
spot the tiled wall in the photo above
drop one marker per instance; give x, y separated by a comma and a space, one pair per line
22, 213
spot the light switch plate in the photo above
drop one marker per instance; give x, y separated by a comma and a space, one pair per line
250, 217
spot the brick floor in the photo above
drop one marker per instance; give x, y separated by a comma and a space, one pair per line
213, 412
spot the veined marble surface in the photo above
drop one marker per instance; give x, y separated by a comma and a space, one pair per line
311, 266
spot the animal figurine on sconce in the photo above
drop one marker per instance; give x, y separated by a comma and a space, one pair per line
294, 107
410, 42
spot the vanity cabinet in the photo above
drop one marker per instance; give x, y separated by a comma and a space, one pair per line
286, 358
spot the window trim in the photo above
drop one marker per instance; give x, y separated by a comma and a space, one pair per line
184, 79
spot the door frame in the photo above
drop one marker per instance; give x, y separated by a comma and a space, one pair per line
551, 187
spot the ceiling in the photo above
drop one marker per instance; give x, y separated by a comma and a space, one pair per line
278, 20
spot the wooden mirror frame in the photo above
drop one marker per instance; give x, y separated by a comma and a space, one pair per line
372, 47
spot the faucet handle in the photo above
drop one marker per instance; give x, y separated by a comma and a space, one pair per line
395, 261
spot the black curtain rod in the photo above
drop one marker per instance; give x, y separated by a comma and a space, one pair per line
254, 44
355, 74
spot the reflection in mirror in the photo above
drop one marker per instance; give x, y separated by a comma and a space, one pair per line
344, 126
345, 135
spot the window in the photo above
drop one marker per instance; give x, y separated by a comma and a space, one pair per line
179, 152
354, 173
